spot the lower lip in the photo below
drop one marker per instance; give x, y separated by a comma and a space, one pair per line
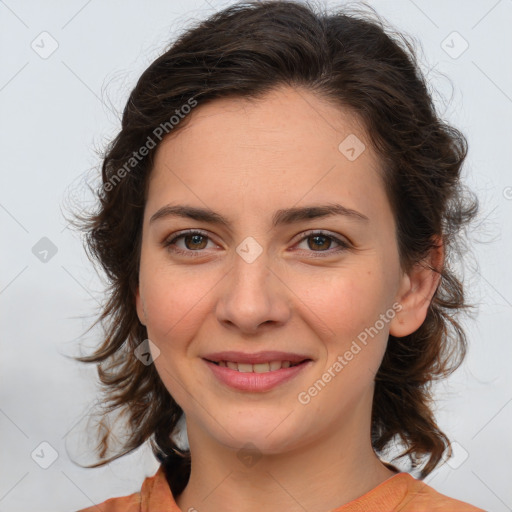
251, 381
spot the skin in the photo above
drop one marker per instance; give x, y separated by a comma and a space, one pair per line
246, 160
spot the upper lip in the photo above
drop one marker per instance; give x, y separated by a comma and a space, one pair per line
255, 358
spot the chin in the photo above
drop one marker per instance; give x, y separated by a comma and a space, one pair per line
266, 436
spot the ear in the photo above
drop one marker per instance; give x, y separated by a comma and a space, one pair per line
139, 303
416, 291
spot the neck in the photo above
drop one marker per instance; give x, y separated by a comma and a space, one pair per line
323, 475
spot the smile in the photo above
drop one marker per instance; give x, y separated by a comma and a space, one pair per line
270, 366
257, 377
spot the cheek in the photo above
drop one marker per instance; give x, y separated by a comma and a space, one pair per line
176, 306
174, 300
344, 301
345, 309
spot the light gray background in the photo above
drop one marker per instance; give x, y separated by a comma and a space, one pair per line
55, 111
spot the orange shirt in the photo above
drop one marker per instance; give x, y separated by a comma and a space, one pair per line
399, 493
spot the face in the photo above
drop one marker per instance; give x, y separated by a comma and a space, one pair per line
304, 286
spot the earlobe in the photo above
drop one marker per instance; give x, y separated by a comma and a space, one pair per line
140, 307
416, 291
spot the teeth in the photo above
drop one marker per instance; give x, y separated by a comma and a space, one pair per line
261, 367
256, 368
244, 368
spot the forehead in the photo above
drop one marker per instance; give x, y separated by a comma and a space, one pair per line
287, 147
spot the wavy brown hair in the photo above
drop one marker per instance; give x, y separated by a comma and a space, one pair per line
351, 58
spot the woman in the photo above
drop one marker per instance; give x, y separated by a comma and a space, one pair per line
276, 220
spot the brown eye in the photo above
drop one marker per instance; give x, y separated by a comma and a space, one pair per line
319, 242
193, 242
187, 243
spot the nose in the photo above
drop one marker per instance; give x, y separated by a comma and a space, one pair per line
253, 297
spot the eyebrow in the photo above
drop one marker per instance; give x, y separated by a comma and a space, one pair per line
281, 217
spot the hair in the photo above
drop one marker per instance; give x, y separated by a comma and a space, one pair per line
354, 61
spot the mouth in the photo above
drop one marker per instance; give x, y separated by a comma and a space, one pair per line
263, 367
257, 371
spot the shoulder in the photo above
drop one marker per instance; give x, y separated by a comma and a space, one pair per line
404, 493
131, 503
420, 497
154, 492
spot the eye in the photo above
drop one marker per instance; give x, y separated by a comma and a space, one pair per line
322, 241
193, 241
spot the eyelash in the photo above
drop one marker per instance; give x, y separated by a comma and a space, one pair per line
308, 234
